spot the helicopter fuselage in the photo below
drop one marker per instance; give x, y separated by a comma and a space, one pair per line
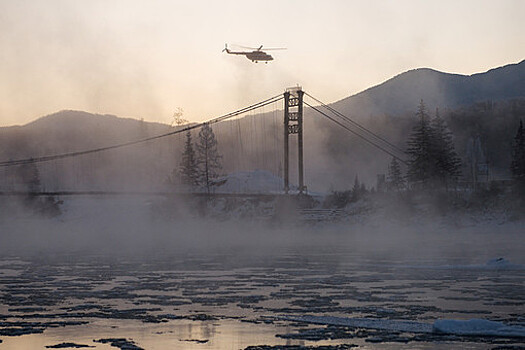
254, 56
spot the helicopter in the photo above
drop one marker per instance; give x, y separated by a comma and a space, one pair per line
256, 55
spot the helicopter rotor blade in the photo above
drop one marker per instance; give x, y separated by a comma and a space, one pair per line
260, 48
246, 47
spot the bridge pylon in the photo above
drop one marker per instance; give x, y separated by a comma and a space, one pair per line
293, 125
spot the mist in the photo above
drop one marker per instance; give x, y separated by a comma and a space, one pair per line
142, 226
191, 240
130, 243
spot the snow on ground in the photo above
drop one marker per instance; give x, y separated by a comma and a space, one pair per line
502, 263
258, 181
473, 327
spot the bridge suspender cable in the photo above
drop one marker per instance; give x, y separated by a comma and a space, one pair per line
130, 143
356, 133
348, 119
222, 118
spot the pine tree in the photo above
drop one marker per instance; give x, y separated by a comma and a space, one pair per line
357, 186
358, 190
362, 189
420, 164
188, 169
29, 177
34, 178
433, 159
395, 178
517, 166
208, 157
446, 161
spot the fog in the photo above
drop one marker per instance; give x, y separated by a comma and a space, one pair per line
135, 59
482, 106
140, 267
123, 247
138, 226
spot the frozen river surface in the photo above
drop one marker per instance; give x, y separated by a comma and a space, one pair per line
279, 295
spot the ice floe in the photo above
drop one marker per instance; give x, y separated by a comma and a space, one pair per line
473, 327
478, 327
493, 264
391, 325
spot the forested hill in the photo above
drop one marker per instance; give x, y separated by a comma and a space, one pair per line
486, 106
401, 93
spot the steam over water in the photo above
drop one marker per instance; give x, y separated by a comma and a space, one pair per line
117, 272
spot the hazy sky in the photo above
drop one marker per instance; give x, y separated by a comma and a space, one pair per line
144, 59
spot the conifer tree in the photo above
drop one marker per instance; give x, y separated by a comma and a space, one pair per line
34, 178
420, 163
395, 178
29, 177
446, 161
433, 160
517, 165
188, 169
358, 190
208, 157
357, 186
362, 189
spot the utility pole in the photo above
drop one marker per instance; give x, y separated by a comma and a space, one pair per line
293, 124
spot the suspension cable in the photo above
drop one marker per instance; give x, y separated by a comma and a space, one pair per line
348, 119
355, 133
130, 143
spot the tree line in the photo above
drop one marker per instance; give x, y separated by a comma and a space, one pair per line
517, 165
433, 162
200, 164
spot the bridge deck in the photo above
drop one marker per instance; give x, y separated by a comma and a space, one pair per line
122, 193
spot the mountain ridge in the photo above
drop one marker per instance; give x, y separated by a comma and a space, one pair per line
334, 155
377, 99
401, 93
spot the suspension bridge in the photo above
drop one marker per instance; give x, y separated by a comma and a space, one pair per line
263, 142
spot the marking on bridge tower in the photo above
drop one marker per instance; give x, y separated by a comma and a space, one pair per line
293, 125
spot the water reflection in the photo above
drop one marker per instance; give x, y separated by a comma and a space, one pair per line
230, 299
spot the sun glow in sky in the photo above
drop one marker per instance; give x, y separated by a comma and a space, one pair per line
144, 59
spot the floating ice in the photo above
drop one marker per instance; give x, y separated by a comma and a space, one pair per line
492, 264
500, 263
478, 327
473, 327
372, 323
